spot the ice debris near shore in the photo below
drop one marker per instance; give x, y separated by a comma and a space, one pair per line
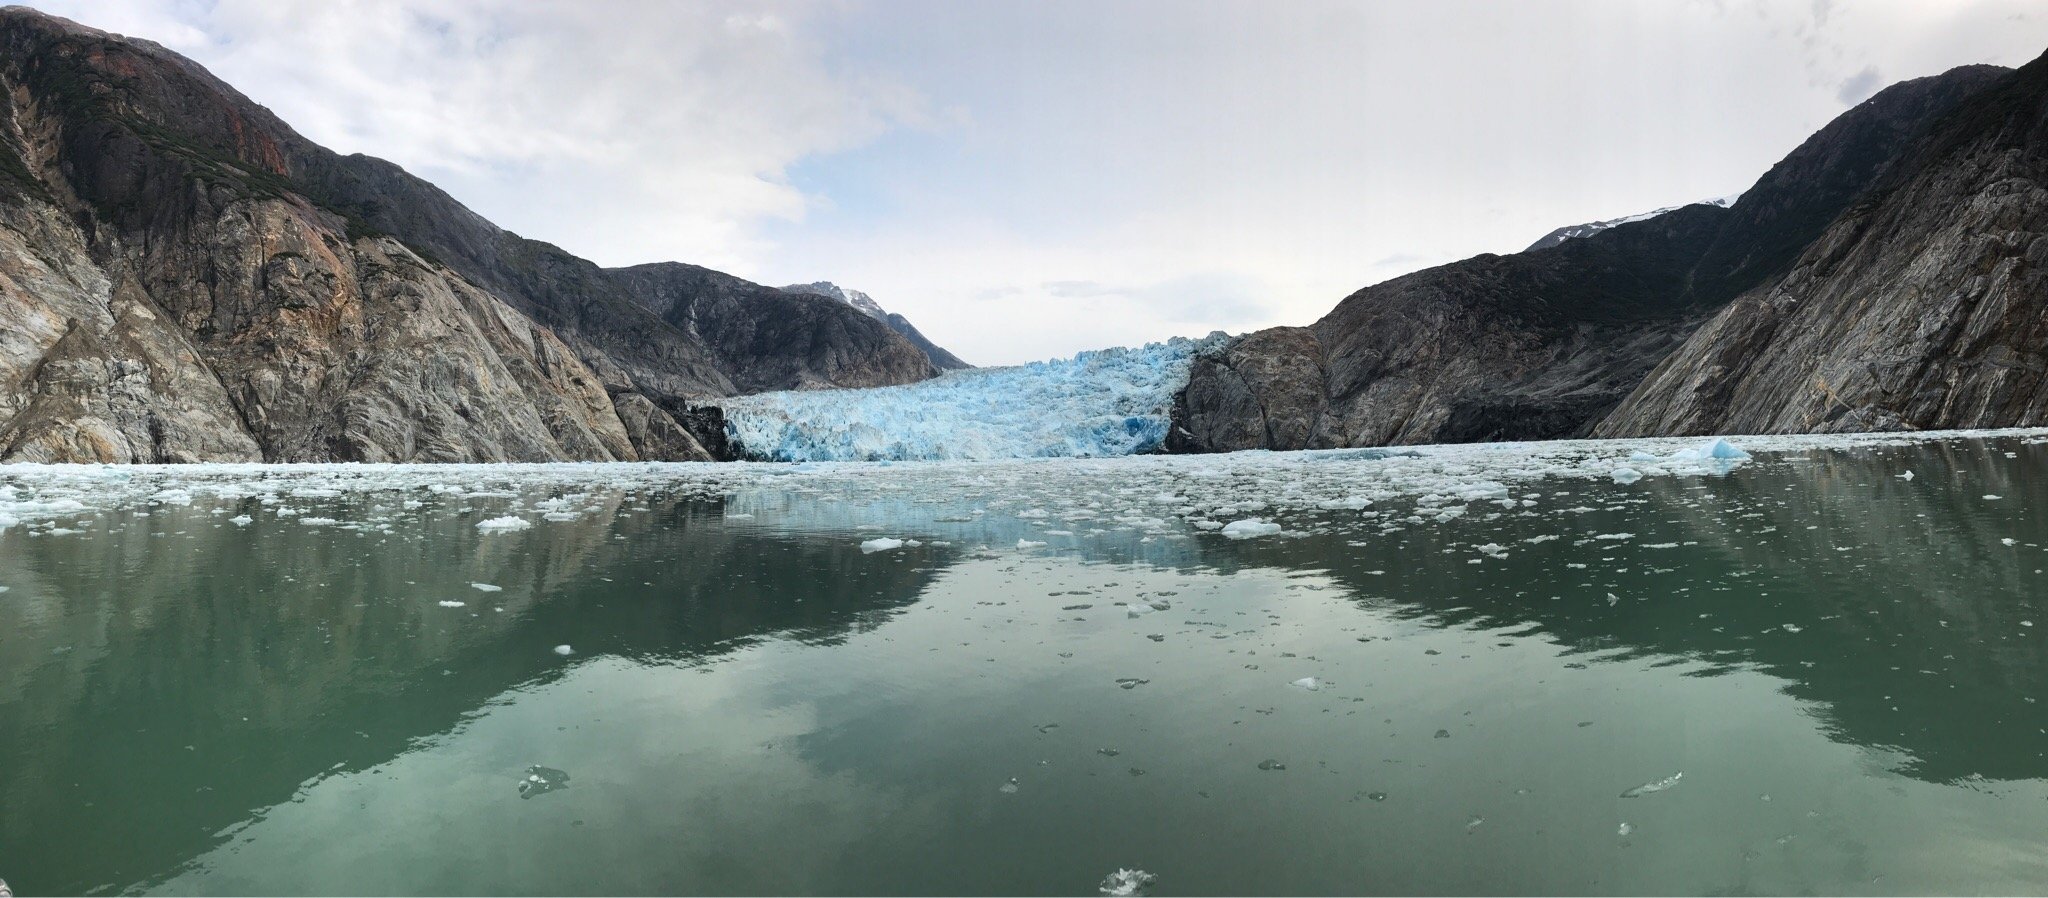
1249, 528
1126, 882
1153, 500
1102, 403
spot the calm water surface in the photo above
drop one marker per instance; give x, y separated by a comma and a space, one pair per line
1844, 665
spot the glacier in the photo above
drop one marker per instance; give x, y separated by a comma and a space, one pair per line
1100, 403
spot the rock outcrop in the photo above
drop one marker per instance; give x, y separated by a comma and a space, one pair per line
185, 278
1546, 343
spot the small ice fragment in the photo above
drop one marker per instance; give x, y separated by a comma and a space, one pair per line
1992, 497
446, 603
485, 587
1792, 628
1473, 823
1030, 544
1126, 882
1009, 788
2024, 623
505, 524
1625, 829
1271, 764
883, 544
241, 520
563, 650
1641, 456
1906, 476
1250, 528
542, 780
2008, 540
1657, 786
1612, 599
1627, 475
1308, 683
1130, 682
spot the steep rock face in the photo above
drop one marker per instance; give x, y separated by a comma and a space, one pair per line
194, 281
1543, 344
1926, 307
940, 358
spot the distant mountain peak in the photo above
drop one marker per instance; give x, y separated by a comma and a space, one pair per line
853, 298
940, 358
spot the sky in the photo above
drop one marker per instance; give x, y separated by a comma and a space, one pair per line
1026, 179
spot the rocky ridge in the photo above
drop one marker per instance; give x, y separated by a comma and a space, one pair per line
185, 278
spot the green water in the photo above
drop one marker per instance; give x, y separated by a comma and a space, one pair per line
1843, 665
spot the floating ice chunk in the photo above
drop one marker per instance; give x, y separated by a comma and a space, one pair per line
1352, 503
1495, 550
241, 520
1720, 448
1009, 788
1906, 476
448, 603
1625, 829
1656, 786
1645, 457
318, 522
2008, 541
1249, 528
542, 780
485, 587
505, 524
1993, 498
563, 650
1627, 475
1309, 683
1126, 882
1030, 544
559, 516
883, 544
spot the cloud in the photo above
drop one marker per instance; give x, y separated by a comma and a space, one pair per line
1858, 87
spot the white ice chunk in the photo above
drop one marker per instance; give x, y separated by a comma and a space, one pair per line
1627, 475
1250, 528
1309, 683
485, 587
450, 603
563, 650
505, 524
241, 520
1030, 544
1125, 883
883, 544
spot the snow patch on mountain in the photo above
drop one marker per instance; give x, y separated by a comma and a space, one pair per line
1594, 227
1100, 403
940, 358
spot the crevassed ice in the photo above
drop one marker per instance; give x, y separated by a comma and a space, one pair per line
1100, 403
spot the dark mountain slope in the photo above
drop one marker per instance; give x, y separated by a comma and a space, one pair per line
186, 278
1545, 343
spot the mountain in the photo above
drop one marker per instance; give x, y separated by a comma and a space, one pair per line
185, 278
1547, 343
1925, 306
940, 358
1594, 227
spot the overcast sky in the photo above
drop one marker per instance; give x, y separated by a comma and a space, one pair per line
1030, 179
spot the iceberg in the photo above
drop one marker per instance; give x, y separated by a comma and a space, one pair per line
883, 544
1102, 403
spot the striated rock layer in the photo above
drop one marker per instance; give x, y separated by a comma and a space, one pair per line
184, 278
1547, 343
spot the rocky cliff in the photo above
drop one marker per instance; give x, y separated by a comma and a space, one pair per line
183, 277
1546, 343
1923, 307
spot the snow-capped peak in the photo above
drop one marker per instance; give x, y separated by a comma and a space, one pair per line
1594, 227
853, 298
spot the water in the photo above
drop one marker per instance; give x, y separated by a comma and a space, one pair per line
1812, 675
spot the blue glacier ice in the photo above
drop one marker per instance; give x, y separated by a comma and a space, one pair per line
1099, 403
